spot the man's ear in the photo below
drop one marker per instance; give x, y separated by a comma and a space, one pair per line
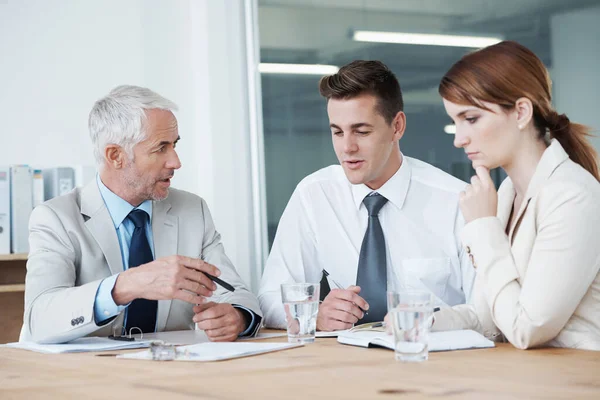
524, 109
399, 125
114, 156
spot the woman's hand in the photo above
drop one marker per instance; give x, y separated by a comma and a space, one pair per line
479, 199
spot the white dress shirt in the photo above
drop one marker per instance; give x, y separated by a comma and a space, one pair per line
325, 221
540, 284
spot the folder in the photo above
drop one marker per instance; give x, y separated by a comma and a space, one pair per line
58, 181
4, 210
21, 205
80, 345
38, 187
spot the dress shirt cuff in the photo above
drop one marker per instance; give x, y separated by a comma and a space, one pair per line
104, 305
488, 245
254, 321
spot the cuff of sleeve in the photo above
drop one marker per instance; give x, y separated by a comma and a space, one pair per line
105, 307
488, 245
254, 321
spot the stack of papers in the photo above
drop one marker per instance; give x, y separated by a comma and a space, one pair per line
80, 345
216, 351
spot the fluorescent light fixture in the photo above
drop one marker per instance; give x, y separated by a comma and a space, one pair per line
425, 39
300, 69
450, 129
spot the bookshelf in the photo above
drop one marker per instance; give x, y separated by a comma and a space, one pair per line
13, 257
12, 291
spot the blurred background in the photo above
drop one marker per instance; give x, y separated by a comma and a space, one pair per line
297, 139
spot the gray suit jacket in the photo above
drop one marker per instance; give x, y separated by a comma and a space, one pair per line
74, 246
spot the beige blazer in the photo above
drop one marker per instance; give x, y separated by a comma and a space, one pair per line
540, 284
74, 245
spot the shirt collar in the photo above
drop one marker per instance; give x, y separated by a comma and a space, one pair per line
118, 208
395, 189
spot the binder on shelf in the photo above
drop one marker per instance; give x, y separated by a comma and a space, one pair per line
21, 205
58, 181
38, 187
4, 210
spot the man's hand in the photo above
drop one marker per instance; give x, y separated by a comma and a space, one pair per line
168, 278
220, 321
479, 199
341, 309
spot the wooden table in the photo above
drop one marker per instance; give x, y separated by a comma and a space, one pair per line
323, 370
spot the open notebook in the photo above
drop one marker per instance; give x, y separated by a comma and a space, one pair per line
438, 341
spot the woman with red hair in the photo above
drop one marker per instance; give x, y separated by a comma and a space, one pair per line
536, 241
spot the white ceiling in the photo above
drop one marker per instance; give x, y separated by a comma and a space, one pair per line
318, 31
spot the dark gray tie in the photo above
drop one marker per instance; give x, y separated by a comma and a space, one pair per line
372, 270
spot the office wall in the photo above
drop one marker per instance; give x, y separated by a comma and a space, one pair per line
575, 61
59, 56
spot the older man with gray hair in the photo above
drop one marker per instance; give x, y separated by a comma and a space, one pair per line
126, 254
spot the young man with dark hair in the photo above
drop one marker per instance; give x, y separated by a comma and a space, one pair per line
377, 221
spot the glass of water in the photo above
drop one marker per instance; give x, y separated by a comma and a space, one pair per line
411, 314
301, 304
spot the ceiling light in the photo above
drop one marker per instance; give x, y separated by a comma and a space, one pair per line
301, 69
425, 39
450, 129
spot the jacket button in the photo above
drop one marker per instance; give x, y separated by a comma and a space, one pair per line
472, 260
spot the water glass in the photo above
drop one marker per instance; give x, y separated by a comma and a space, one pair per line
301, 304
411, 314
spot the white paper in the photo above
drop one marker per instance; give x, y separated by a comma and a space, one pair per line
216, 351
80, 345
190, 336
322, 334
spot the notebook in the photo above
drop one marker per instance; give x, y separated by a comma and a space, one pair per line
216, 351
438, 341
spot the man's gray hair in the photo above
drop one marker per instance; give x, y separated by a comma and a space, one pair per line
120, 118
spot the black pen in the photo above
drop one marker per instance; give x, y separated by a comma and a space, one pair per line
365, 312
217, 280
220, 282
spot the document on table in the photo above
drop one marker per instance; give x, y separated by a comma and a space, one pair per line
216, 351
192, 337
438, 341
80, 345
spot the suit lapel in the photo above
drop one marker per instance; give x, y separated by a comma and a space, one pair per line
101, 226
164, 233
506, 197
553, 156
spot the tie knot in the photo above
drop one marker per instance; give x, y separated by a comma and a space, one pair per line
138, 217
374, 203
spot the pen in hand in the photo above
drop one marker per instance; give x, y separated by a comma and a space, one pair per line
220, 282
365, 312
217, 280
